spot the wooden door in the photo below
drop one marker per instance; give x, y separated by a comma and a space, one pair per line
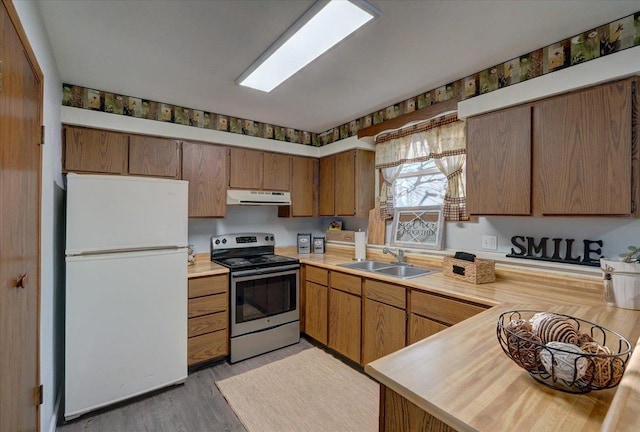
421, 328
327, 177
20, 179
97, 151
345, 182
151, 156
303, 186
384, 330
277, 172
345, 311
245, 168
499, 162
364, 182
582, 151
204, 166
316, 311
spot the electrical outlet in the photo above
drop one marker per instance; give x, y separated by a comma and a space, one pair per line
489, 242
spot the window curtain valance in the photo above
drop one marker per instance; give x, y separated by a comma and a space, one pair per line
441, 139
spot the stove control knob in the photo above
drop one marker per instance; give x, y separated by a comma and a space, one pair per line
271, 238
217, 242
266, 238
224, 241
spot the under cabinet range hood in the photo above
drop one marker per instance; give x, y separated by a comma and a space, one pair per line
256, 197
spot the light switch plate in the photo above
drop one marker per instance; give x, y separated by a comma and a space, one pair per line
489, 242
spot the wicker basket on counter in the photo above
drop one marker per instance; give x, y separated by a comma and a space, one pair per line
564, 352
478, 272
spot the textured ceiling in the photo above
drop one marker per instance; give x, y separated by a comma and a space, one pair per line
189, 53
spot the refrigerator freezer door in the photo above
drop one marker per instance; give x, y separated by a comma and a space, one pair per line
125, 328
140, 213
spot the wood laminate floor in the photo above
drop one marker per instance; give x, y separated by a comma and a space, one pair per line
195, 406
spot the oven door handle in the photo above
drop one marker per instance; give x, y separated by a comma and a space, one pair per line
265, 270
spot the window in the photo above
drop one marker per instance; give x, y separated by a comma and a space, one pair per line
418, 185
423, 165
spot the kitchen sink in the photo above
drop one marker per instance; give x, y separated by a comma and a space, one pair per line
399, 270
403, 272
366, 265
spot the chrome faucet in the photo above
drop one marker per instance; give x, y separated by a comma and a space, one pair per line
399, 255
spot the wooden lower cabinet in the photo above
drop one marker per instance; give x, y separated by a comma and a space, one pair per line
442, 309
421, 328
384, 330
398, 414
316, 304
208, 319
344, 323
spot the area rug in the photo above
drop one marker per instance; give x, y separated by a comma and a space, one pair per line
309, 391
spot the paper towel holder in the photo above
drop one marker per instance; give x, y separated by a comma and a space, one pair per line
355, 243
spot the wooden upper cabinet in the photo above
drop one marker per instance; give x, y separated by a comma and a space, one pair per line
347, 184
254, 169
93, 150
277, 172
304, 173
245, 168
582, 151
204, 166
565, 155
151, 156
326, 195
499, 162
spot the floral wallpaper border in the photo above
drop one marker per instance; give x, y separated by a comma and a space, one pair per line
598, 42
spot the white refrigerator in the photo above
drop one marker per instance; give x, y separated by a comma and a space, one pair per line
126, 288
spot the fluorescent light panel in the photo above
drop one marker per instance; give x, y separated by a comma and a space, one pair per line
312, 35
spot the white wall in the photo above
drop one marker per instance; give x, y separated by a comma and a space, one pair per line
263, 219
52, 214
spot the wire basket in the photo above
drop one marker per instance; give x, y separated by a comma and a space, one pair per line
596, 362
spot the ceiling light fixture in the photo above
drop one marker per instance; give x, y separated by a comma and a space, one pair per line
324, 25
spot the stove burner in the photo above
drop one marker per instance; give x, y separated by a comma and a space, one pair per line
257, 261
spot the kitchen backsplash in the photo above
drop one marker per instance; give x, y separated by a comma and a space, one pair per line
591, 44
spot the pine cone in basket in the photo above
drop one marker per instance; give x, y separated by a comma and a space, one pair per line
554, 328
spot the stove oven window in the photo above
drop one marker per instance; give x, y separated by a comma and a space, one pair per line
264, 297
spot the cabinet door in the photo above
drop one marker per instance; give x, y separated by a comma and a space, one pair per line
582, 151
204, 166
364, 186
246, 168
345, 182
421, 328
344, 323
316, 311
95, 151
327, 177
499, 162
303, 186
384, 330
277, 172
153, 156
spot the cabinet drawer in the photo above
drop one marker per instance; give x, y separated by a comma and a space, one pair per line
347, 283
443, 309
207, 305
207, 324
208, 285
392, 295
317, 275
207, 346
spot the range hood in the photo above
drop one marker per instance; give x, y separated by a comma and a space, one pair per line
253, 197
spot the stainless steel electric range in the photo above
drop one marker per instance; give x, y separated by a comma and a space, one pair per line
264, 293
